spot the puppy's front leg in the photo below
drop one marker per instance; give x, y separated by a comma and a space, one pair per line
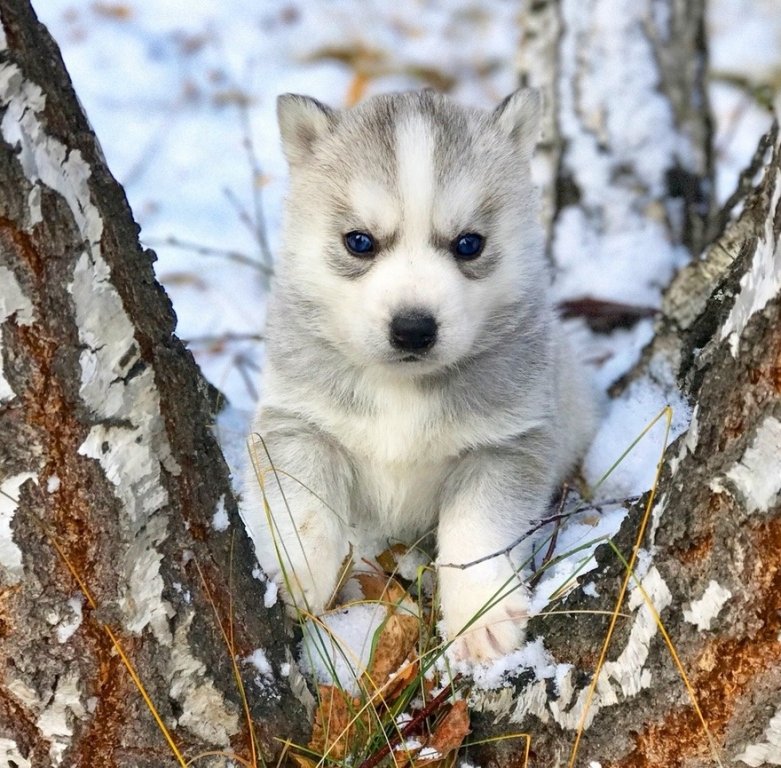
298, 495
489, 501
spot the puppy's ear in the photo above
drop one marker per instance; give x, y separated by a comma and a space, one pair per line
520, 117
302, 120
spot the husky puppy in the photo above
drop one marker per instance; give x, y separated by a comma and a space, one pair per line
416, 375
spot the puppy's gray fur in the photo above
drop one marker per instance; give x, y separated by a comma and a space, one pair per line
473, 436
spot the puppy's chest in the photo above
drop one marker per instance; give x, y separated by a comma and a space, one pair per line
402, 458
402, 427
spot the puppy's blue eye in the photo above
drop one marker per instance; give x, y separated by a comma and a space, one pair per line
359, 243
468, 246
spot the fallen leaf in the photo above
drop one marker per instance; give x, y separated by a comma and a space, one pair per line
303, 761
397, 640
389, 558
184, 279
118, 11
338, 726
399, 680
376, 586
447, 737
605, 316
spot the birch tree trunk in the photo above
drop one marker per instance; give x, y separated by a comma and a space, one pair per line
118, 526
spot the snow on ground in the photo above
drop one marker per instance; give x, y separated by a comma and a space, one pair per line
182, 97
337, 647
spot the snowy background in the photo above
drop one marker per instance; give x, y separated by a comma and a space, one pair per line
182, 97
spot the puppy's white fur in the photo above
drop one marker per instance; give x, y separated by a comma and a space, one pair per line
472, 437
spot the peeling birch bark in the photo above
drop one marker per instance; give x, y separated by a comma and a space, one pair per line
107, 453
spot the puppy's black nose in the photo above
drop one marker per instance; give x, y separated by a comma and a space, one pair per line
413, 331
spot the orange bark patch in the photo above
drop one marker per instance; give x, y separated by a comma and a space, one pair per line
697, 551
725, 671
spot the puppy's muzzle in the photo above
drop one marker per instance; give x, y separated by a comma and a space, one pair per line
413, 331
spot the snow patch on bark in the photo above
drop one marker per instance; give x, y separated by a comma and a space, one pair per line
205, 712
220, 520
767, 752
56, 721
761, 283
627, 418
758, 473
12, 302
628, 670
703, 611
10, 554
533, 656
271, 594
260, 661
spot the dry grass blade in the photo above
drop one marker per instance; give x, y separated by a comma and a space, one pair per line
219, 753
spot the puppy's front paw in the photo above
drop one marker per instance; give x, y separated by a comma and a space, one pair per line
485, 609
307, 585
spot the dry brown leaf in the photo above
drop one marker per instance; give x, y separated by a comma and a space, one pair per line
593, 519
397, 641
184, 279
377, 586
117, 11
401, 679
402, 758
303, 761
337, 726
373, 584
448, 736
389, 559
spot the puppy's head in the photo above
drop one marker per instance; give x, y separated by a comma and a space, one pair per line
412, 226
